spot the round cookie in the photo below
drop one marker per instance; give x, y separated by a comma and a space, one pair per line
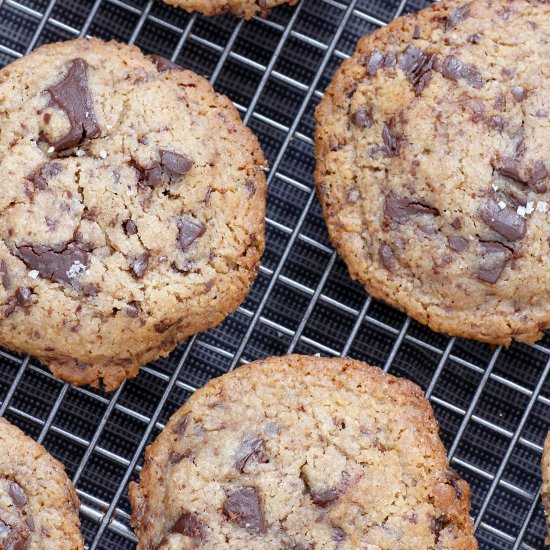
132, 208
38, 503
240, 8
298, 453
433, 167
545, 493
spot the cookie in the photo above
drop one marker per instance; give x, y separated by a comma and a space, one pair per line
38, 503
433, 167
132, 208
240, 8
545, 494
299, 453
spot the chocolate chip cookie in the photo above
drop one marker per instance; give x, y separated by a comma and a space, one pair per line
38, 503
433, 167
300, 453
132, 208
240, 8
546, 483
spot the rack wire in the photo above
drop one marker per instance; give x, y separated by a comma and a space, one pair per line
492, 403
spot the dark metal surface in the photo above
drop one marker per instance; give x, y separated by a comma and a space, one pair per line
493, 404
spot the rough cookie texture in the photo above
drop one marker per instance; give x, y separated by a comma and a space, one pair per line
301, 453
433, 167
546, 483
38, 503
132, 208
240, 8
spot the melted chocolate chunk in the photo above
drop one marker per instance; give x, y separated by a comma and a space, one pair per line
244, 508
376, 61
189, 231
337, 534
23, 295
495, 256
17, 494
252, 448
361, 118
60, 264
139, 265
387, 257
457, 243
130, 228
72, 95
189, 525
418, 66
401, 209
391, 142
505, 221
164, 64
174, 165
457, 15
4, 275
454, 69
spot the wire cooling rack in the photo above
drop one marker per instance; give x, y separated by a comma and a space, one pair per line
493, 404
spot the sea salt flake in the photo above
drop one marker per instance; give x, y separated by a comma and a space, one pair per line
522, 211
51, 149
495, 187
109, 126
80, 152
542, 206
103, 154
75, 270
529, 207
502, 205
33, 143
33, 274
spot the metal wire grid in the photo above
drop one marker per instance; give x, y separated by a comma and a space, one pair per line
492, 403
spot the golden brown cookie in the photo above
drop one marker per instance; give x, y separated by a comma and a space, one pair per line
132, 208
240, 8
433, 167
299, 453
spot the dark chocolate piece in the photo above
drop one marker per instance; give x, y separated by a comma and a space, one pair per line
17, 494
73, 96
174, 165
387, 258
130, 228
519, 93
454, 69
457, 15
495, 256
23, 296
505, 221
391, 142
139, 265
189, 231
361, 118
244, 508
376, 61
418, 66
401, 209
337, 534
457, 243
163, 326
4, 275
251, 448
164, 64
189, 525
323, 498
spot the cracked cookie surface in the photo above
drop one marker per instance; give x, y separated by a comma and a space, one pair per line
239, 8
38, 503
433, 167
302, 453
132, 208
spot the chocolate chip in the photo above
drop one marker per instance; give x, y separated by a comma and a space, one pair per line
130, 228
390, 59
457, 243
361, 118
30, 524
538, 171
509, 167
181, 425
17, 494
457, 223
23, 296
153, 174
387, 258
164, 64
189, 231
163, 326
400, 209
244, 508
139, 265
251, 448
495, 256
376, 61
418, 66
519, 93
61, 264
337, 535
505, 221
457, 15
250, 187
176, 458
174, 165
90, 290
417, 33
391, 142
189, 525
428, 229
132, 309
323, 498
72, 95
38, 181
454, 69
4, 275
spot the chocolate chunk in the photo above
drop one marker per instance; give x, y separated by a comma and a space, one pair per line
23, 296
387, 258
391, 142
428, 229
30, 524
505, 221
495, 256
417, 33
361, 118
457, 223
400, 209
337, 534
418, 66
17, 494
519, 93
176, 458
251, 448
174, 165
457, 15
60, 264
38, 181
181, 426
50, 170
13, 537
164, 64
153, 174
139, 265
4, 275
132, 309
72, 95
130, 228
390, 59
90, 290
454, 69
189, 525
457, 243
244, 508
322, 498
189, 231
509, 167
250, 187
163, 326
538, 171
453, 478
376, 61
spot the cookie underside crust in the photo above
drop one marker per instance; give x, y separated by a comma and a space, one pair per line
239, 8
433, 167
299, 453
132, 208
38, 503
